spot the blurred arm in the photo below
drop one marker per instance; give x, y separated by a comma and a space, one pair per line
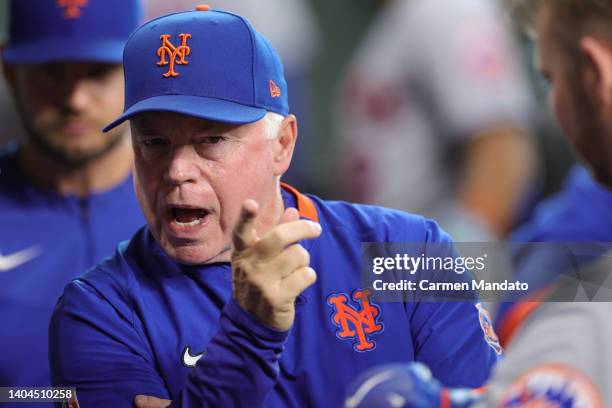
497, 172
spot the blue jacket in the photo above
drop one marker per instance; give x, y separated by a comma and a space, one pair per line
136, 323
45, 241
581, 212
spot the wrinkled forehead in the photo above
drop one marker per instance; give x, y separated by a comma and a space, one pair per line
163, 122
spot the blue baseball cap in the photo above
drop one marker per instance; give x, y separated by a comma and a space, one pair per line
206, 63
44, 31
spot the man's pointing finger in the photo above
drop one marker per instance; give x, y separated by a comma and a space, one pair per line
244, 234
283, 235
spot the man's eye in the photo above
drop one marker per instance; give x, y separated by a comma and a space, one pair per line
153, 142
212, 139
99, 70
49, 71
546, 77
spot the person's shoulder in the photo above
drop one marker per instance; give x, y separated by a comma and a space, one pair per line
565, 217
375, 223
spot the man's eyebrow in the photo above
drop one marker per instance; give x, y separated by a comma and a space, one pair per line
215, 127
207, 125
145, 125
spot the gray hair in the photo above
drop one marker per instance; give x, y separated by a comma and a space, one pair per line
272, 121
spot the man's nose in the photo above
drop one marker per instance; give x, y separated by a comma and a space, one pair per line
182, 167
79, 94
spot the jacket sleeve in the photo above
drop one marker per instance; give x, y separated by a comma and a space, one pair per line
559, 343
95, 347
102, 351
239, 366
455, 338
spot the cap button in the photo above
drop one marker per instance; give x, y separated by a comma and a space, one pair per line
202, 7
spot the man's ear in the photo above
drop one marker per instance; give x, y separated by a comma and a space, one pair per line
597, 72
284, 144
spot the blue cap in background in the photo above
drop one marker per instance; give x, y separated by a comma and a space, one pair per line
209, 64
44, 31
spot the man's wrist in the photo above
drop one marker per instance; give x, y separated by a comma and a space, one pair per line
248, 323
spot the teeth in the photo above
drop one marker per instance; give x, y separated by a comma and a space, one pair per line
188, 217
190, 223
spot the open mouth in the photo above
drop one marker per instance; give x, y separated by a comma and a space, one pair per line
188, 217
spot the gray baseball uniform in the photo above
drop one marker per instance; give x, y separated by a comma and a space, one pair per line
560, 352
429, 75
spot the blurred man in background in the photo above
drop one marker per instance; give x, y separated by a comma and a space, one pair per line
558, 351
557, 348
66, 195
434, 114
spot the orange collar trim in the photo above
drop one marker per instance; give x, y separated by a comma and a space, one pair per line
305, 206
518, 313
516, 317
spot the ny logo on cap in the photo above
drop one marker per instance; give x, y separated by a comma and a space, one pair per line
72, 7
177, 54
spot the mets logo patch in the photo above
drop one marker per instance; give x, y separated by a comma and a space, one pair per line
552, 386
487, 328
357, 322
72, 8
169, 54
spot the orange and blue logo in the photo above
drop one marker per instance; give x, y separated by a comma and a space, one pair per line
169, 54
275, 91
72, 8
354, 323
554, 386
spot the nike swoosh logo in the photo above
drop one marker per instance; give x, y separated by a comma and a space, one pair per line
190, 360
8, 262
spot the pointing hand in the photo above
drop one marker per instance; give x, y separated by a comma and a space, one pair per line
271, 271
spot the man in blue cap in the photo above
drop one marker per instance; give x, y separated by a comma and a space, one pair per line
214, 303
66, 195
